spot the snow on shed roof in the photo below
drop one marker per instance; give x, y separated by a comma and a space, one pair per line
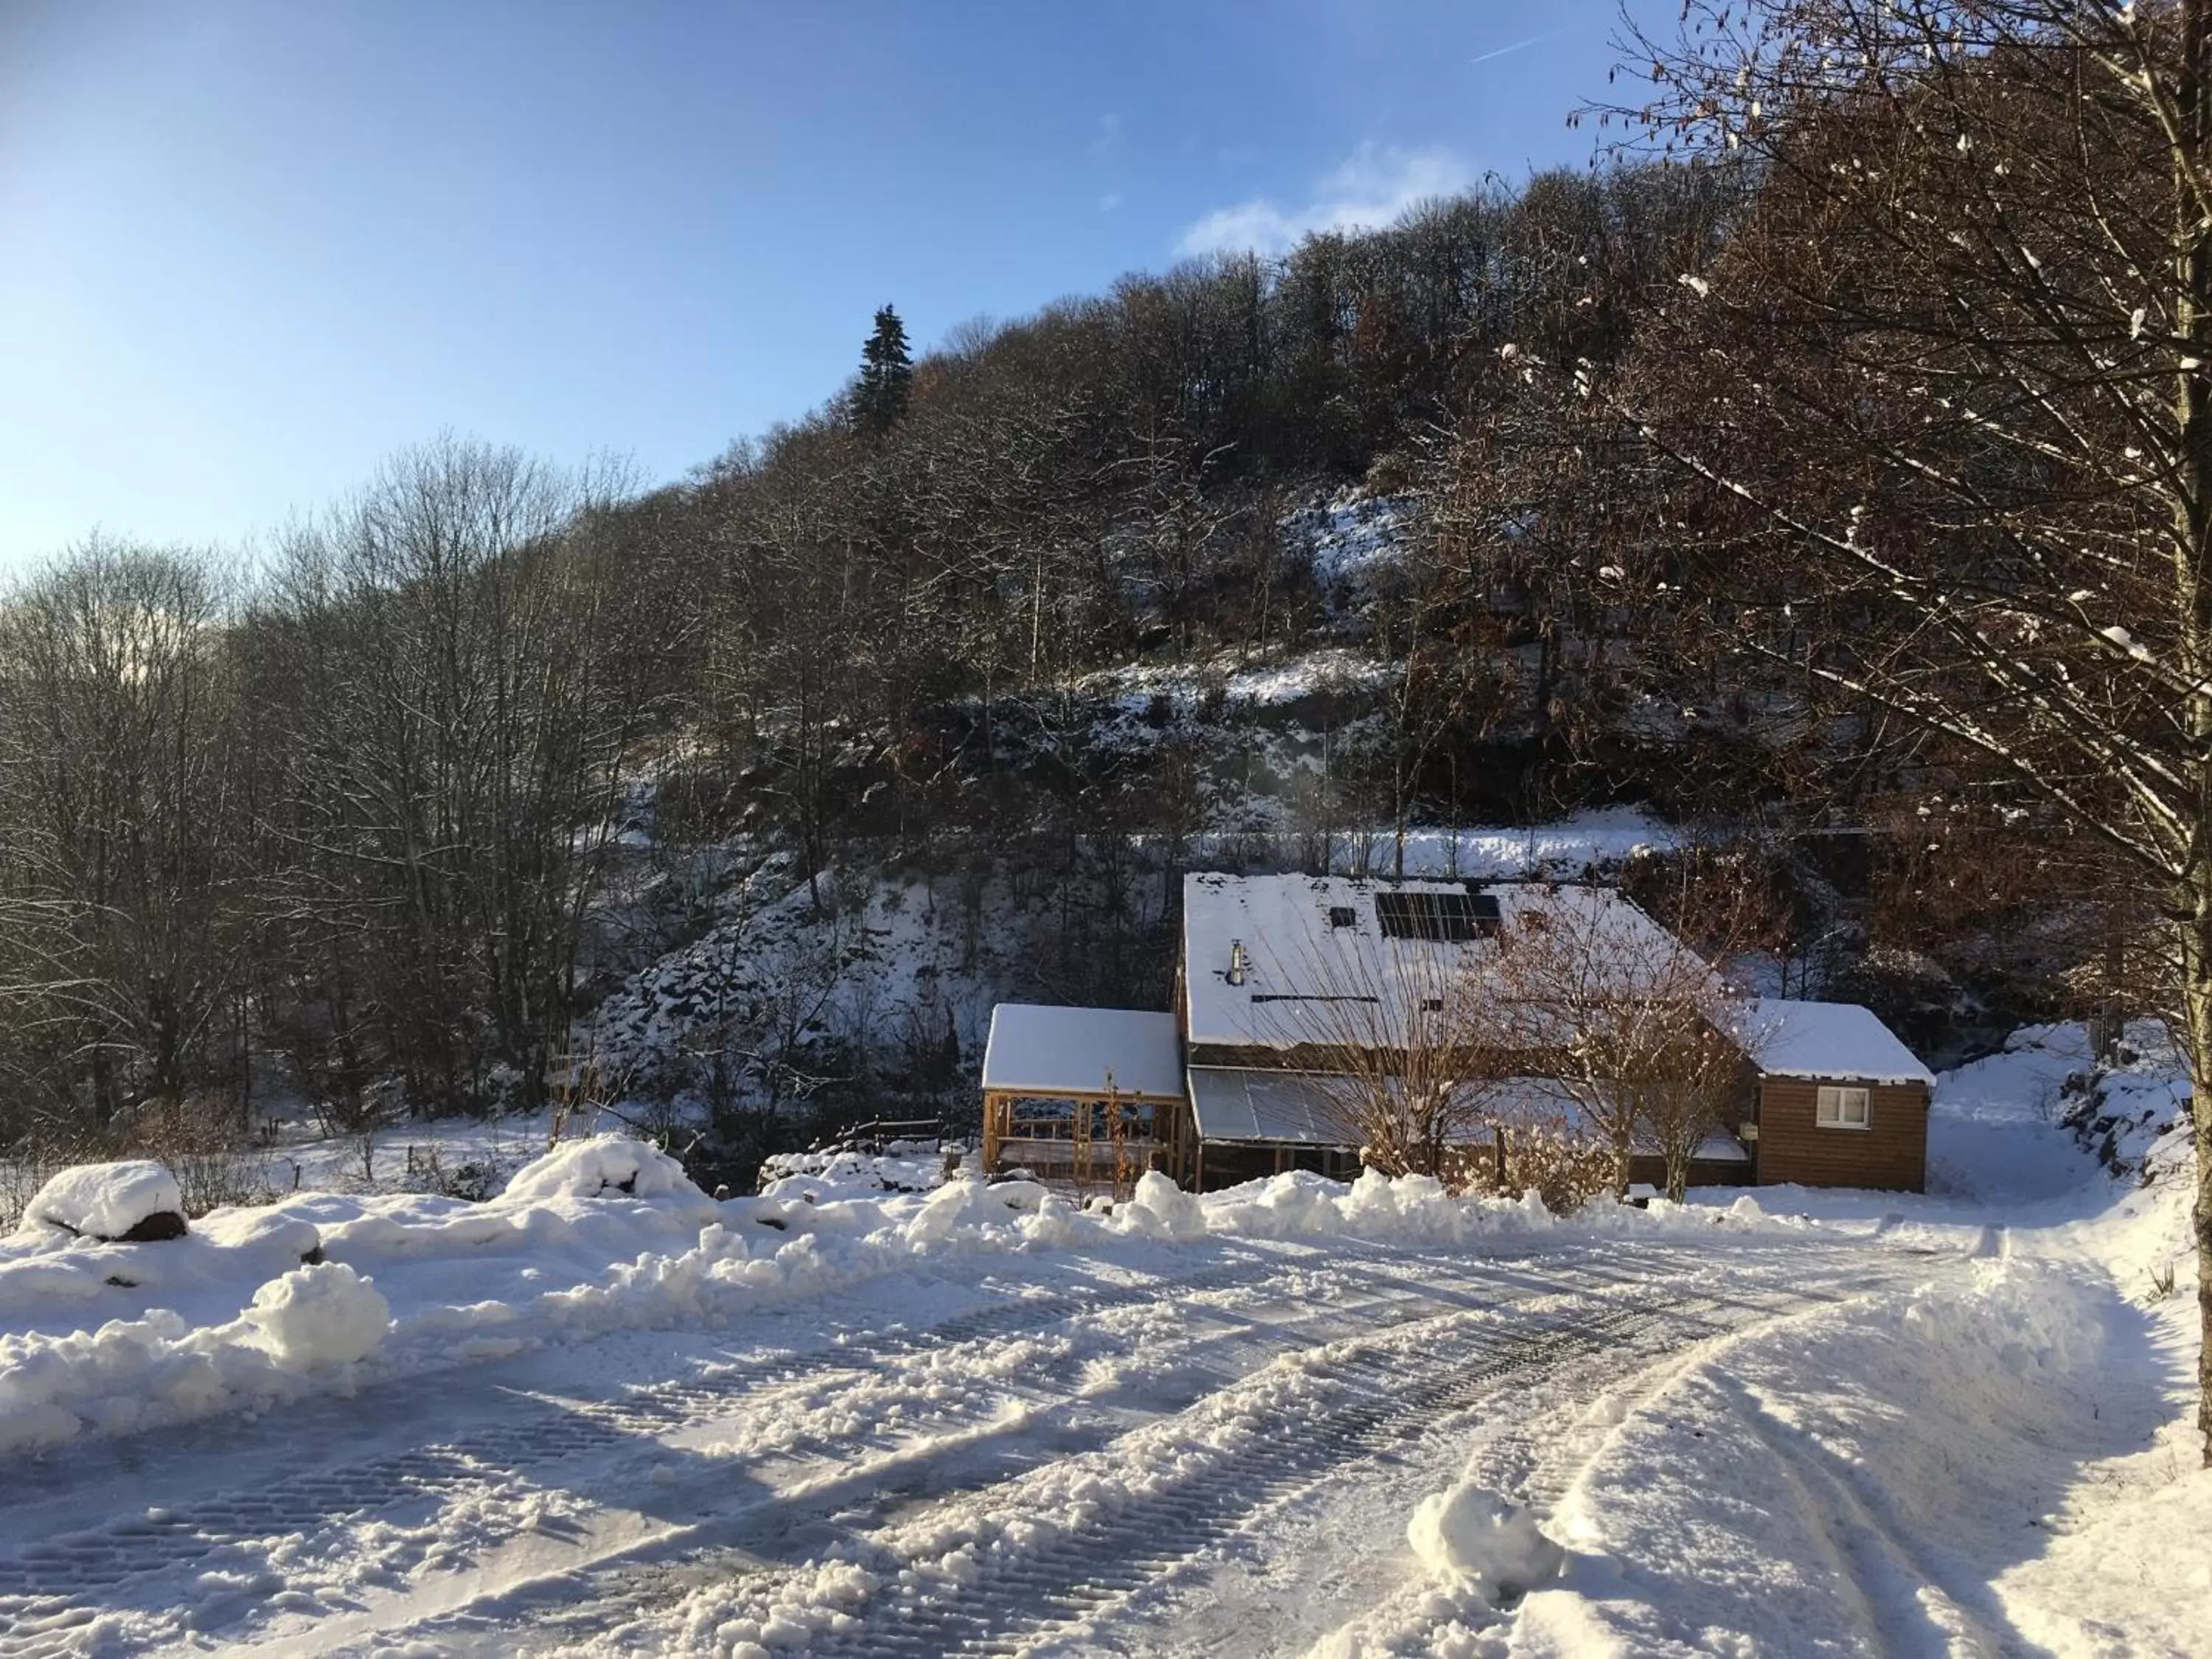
1831, 1039
1309, 939
1038, 1049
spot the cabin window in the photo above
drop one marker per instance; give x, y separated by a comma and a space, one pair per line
1343, 916
1840, 1108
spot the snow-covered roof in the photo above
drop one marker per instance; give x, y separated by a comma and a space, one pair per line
1040, 1050
1296, 958
1830, 1039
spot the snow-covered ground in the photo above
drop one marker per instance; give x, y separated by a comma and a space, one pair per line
606, 1414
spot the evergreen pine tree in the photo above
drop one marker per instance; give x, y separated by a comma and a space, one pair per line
886, 377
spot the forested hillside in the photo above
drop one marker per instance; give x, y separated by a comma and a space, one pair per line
1258, 562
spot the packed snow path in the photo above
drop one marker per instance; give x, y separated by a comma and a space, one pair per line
1211, 1449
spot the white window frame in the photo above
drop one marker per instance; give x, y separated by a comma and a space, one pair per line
1835, 1103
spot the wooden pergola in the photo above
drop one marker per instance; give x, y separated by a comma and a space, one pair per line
1088, 1098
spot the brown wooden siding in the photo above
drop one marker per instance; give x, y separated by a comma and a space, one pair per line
1650, 1168
1891, 1152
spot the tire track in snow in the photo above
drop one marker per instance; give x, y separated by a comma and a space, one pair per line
1028, 1592
51, 1587
1381, 1390
1903, 1607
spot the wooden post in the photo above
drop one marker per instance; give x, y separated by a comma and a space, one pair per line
1498, 1156
1080, 1148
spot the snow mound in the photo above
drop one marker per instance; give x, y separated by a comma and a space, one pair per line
321, 1316
827, 1177
137, 1200
968, 1204
598, 1167
1160, 1209
1469, 1535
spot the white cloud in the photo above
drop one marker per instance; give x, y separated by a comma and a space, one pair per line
1374, 186
1109, 200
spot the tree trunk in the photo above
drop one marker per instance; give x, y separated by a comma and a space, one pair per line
2197, 988
2193, 581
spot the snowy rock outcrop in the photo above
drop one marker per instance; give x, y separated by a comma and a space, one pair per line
135, 1202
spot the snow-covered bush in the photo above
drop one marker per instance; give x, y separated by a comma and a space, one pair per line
1567, 1168
137, 1200
609, 1165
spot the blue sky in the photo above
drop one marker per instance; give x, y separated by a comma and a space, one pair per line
253, 246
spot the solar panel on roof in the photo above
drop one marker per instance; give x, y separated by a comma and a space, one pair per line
1444, 918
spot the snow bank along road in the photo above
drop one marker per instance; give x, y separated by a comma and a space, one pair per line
1196, 1444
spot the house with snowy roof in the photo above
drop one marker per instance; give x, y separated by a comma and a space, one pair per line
1275, 970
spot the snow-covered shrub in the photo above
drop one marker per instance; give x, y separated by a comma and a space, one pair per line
1568, 1169
609, 1165
137, 1200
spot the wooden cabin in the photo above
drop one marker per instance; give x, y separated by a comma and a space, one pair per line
1234, 1083
1839, 1101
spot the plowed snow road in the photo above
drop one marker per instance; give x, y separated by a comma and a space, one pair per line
1087, 1454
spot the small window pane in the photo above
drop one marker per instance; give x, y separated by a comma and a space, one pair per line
1839, 1107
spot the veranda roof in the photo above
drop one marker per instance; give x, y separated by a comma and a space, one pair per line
1236, 1104
1041, 1050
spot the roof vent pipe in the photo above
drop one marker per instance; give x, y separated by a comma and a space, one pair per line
1239, 963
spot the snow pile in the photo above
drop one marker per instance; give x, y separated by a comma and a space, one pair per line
1414, 1211
1472, 1538
600, 1166
1160, 1209
137, 1200
598, 1235
1868, 1470
302, 1332
817, 1177
322, 1316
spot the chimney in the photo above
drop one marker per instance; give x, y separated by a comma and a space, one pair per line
1239, 963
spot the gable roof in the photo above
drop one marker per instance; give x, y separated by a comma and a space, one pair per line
1309, 937
1832, 1040
1036, 1049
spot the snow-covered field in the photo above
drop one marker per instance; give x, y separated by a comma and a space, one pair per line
604, 1414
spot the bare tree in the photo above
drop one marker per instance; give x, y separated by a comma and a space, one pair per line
122, 842
1390, 1035
1633, 1023
1951, 386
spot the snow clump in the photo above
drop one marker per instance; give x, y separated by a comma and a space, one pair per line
1468, 1534
1160, 1209
325, 1315
136, 1199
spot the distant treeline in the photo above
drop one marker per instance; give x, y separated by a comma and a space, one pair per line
344, 821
